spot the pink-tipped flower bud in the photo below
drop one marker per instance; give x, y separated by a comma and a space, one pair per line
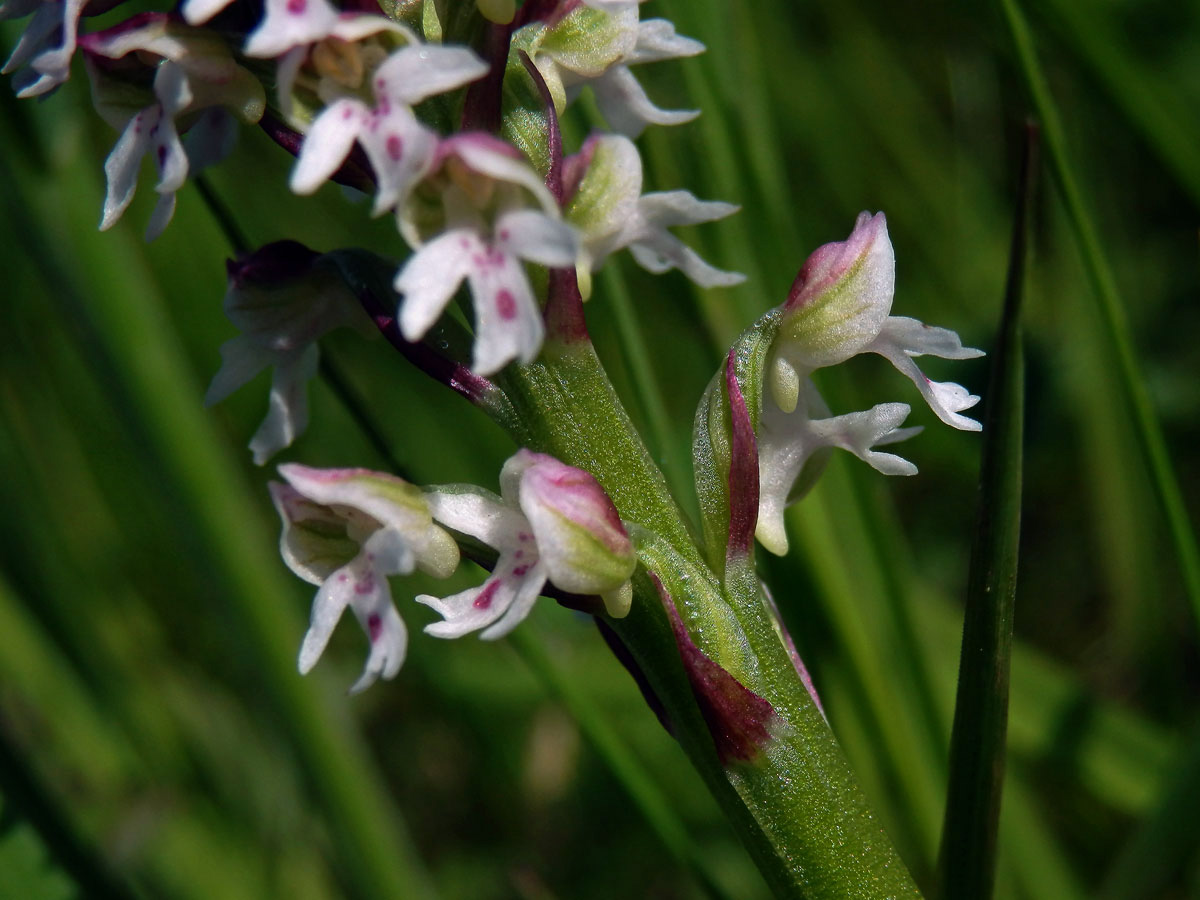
836, 307
579, 534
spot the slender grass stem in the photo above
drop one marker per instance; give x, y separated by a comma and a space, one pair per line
21, 786
1145, 423
650, 801
978, 740
223, 216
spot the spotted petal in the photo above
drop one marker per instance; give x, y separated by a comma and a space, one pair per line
291, 23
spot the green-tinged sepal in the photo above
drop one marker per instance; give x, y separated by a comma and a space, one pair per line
714, 445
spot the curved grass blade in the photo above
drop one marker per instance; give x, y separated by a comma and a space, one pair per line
1145, 423
154, 390
649, 800
28, 795
967, 861
1160, 845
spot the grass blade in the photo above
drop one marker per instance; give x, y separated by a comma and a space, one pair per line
967, 861
607, 744
1159, 846
1145, 423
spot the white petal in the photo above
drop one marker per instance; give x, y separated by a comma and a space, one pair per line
387, 635
170, 158
287, 413
362, 586
241, 359
784, 446
469, 610
480, 514
669, 208
502, 601
657, 40
491, 156
160, 218
390, 552
537, 237
172, 89
331, 601
327, 144
508, 323
417, 72
401, 151
858, 432
54, 66
286, 70
626, 107
197, 12
918, 339
528, 589
946, 399
659, 251
431, 276
38, 30
354, 27
121, 167
290, 23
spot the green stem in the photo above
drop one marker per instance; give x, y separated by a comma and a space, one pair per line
1146, 427
796, 804
637, 357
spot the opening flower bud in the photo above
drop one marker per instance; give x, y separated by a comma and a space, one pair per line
579, 534
841, 298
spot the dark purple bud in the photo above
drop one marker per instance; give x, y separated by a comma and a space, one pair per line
738, 719
271, 265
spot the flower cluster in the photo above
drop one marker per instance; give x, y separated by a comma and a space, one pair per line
370, 96
446, 116
347, 530
839, 307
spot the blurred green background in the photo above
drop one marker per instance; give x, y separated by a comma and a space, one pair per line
151, 720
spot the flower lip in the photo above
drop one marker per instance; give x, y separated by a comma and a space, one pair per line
832, 262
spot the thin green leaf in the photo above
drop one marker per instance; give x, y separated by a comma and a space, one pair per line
607, 744
158, 396
1145, 422
24, 788
967, 861
1160, 845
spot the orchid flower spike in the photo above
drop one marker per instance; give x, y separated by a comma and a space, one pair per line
839, 307
551, 522
283, 301
347, 530
603, 186
480, 213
